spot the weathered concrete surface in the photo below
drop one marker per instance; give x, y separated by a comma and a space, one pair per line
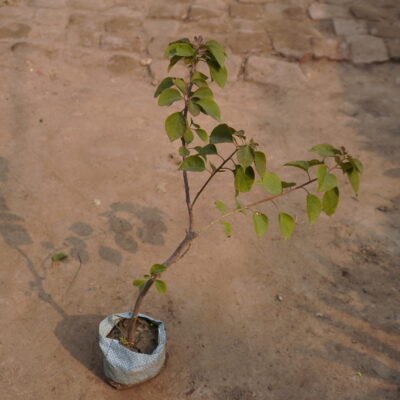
80, 172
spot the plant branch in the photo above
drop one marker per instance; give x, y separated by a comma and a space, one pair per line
212, 176
178, 253
248, 206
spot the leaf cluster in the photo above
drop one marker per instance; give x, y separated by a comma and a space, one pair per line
155, 271
247, 164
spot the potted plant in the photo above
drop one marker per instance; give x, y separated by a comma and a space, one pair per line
133, 344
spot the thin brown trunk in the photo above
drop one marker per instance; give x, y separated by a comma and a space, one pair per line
173, 258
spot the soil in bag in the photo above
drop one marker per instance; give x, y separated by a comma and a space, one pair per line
146, 335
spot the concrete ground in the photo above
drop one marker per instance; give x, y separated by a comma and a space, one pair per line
85, 168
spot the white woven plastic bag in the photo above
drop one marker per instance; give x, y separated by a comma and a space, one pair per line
125, 366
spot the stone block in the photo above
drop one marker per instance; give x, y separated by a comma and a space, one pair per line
14, 31
331, 48
200, 12
253, 1
372, 13
121, 65
294, 13
319, 11
93, 5
168, 9
83, 38
249, 11
165, 27
123, 26
291, 45
79, 20
384, 29
234, 65
47, 16
367, 49
8, 13
270, 71
348, 27
249, 42
48, 3
117, 43
29, 50
248, 26
394, 48
207, 27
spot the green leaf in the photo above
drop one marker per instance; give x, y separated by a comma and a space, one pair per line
354, 178
245, 156
188, 135
210, 107
288, 184
173, 61
326, 180
181, 85
330, 201
203, 93
298, 164
157, 269
260, 223
179, 49
356, 164
244, 178
220, 205
208, 149
227, 228
219, 76
271, 183
199, 75
202, 135
193, 108
217, 51
139, 283
304, 165
164, 84
183, 151
325, 150
169, 96
192, 123
175, 126
286, 225
260, 162
193, 163
58, 257
201, 83
221, 134
313, 207
181, 40
161, 286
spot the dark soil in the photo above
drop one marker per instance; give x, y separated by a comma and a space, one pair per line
146, 335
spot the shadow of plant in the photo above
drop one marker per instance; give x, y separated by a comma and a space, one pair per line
78, 334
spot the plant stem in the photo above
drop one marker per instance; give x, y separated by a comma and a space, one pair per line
184, 245
173, 258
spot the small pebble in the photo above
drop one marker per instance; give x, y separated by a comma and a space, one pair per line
145, 61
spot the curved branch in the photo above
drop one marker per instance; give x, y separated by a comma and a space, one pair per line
211, 176
248, 206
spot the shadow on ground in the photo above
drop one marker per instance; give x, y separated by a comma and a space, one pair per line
79, 336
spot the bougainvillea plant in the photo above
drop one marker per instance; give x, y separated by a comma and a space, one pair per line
246, 163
